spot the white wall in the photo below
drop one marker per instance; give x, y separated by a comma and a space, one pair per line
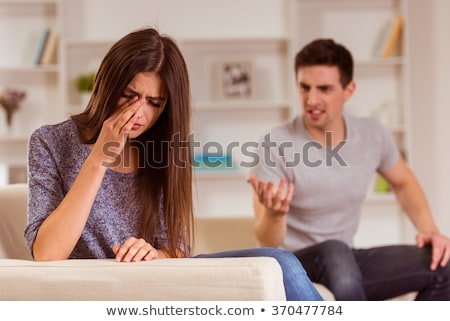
180, 18
441, 58
430, 67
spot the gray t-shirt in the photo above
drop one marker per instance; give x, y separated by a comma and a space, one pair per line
331, 183
55, 156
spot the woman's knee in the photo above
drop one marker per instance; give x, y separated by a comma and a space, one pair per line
286, 259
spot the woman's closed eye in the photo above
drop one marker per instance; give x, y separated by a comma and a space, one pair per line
128, 96
157, 103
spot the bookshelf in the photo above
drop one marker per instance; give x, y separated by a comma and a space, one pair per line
234, 124
84, 39
26, 19
269, 42
369, 29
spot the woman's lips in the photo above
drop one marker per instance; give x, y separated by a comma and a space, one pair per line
136, 126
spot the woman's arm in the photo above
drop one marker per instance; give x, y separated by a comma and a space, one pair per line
61, 230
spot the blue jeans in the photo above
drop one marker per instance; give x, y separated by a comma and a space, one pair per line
297, 285
377, 273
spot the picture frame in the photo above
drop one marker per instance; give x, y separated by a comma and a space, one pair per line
235, 78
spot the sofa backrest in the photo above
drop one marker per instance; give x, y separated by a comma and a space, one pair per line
13, 216
213, 234
216, 234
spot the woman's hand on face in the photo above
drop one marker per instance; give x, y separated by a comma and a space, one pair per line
115, 129
134, 250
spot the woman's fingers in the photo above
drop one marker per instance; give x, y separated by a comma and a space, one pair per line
115, 129
122, 121
134, 250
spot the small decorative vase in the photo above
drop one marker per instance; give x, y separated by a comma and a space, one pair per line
9, 122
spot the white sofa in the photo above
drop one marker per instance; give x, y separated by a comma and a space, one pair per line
21, 278
230, 279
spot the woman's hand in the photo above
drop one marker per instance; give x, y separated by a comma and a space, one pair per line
114, 132
134, 250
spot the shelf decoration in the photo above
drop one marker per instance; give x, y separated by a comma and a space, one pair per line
381, 185
84, 84
388, 43
10, 100
213, 162
393, 40
47, 47
236, 80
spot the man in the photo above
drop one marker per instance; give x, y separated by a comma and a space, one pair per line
311, 181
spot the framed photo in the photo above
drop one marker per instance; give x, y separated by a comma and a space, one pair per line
236, 80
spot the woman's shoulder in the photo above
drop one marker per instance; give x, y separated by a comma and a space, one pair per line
63, 130
59, 141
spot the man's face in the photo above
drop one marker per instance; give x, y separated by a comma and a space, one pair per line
322, 96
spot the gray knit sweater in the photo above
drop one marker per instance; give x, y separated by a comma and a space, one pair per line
55, 156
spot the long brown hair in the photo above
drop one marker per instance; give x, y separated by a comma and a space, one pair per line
165, 183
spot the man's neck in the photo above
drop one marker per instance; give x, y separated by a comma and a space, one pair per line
329, 134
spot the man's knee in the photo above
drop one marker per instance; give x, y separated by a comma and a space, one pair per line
334, 248
337, 257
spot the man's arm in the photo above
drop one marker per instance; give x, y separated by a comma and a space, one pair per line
413, 201
271, 205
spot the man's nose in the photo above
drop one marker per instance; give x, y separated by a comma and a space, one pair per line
312, 97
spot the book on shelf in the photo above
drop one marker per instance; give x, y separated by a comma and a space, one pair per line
40, 46
50, 49
393, 37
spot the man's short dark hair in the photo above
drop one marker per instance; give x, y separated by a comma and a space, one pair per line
327, 52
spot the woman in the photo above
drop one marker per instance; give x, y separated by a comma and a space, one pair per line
115, 181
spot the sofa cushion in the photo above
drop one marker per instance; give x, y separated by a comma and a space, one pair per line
195, 279
217, 234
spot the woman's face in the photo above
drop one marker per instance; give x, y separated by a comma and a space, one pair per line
148, 86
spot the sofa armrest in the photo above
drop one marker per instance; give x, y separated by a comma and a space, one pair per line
13, 217
189, 279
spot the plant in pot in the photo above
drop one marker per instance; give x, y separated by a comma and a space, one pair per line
84, 84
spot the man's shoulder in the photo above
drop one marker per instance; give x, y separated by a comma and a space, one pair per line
366, 123
286, 129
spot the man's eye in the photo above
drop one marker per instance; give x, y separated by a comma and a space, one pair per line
304, 87
325, 89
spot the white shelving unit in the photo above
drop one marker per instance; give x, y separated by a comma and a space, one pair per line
234, 125
266, 43
26, 19
80, 57
382, 84
84, 40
